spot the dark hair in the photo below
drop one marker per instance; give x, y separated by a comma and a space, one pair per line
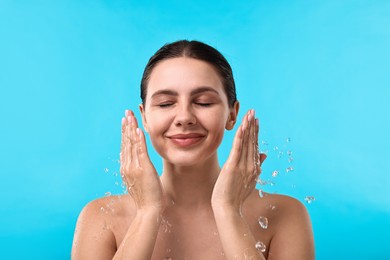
197, 50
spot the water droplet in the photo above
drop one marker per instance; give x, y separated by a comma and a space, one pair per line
264, 151
168, 250
309, 199
116, 183
276, 148
261, 193
288, 139
102, 209
107, 194
261, 182
264, 142
272, 207
167, 258
280, 154
222, 253
260, 246
115, 174
263, 222
290, 159
106, 170
289, 152
275, 173
166, 225
289, 169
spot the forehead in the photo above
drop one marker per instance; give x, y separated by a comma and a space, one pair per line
183, 75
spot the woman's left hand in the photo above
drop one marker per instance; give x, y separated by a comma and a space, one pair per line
238, 176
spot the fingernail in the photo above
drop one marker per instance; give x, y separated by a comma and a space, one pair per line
250, 116
123, 120
129, 119
127, 112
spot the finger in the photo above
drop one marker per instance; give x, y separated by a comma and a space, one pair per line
142, 152
251, 154
257, 159
244, 152
133, 141
235, 154
128, 141
122, 151
134, 119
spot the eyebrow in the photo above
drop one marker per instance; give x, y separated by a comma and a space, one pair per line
194, 92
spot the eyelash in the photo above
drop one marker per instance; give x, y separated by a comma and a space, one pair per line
203, 104
166, 105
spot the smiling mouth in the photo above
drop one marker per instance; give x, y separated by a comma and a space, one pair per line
186, 140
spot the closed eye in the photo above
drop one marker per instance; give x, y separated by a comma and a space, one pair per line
203, 104
165, 105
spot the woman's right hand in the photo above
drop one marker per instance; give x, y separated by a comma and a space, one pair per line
137, 171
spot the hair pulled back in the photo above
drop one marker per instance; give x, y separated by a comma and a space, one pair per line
196, 50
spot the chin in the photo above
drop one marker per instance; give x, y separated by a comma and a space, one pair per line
186, 158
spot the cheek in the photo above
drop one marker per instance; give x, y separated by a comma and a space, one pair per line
157, 125
217, 127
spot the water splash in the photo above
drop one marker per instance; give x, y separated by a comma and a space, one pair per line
263, 222
309, 199
260, 246
107, 194
288, 139
261, 193
271, 207
289, 169
275, 173
271, 183
261, 182
106, 170
166, 226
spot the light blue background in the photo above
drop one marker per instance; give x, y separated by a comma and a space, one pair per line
315, 71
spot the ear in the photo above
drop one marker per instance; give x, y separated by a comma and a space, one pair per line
144, 122
231, 121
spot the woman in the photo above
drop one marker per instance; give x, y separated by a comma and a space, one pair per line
195, 210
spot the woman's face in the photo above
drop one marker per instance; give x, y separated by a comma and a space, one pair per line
186, 110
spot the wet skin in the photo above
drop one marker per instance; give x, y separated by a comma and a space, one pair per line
195, 210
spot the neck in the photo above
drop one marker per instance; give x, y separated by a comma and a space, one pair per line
190, 186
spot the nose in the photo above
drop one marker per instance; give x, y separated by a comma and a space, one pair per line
185, 116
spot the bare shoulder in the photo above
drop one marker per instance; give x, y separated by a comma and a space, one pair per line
283, 207
95, 234
289, 226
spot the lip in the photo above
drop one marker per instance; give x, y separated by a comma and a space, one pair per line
186, 140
